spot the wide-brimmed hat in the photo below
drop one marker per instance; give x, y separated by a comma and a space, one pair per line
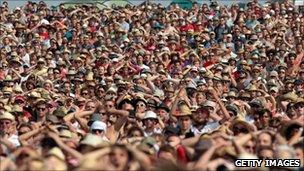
8, 78
60, 111
150, 115
209, 103
139, 98
7, 116
290, 96
184, 110
239, 120
94, 141
231, 94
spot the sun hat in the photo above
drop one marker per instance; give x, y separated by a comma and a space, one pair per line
209, 103
150, 115
7, 116
94, 141
239, 120
60, 111
184, 110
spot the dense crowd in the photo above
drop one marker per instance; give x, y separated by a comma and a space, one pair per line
149, 87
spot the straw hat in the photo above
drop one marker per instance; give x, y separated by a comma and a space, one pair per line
184, 110
231, 94
239, 120
94, 141
7, 116
291, 96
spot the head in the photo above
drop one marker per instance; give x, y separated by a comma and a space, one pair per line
265, 152
7, 125
201, 115
98, 128
265, 139
120, 156
185, 122
41, 109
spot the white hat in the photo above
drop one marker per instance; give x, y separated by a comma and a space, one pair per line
93, 140
150, 114
99, 125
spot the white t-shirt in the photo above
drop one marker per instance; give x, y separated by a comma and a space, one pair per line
210, 126
14, 139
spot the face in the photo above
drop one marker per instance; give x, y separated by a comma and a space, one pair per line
162, 113
185, 122
6, 125
98, 132
150, 123
299, 153
41, 110
85, 94
136, 133
90, 106
264, 139
264, 119
140, 106
299, 109
201, 115
109, 104
266, 154
249, 147
119, 158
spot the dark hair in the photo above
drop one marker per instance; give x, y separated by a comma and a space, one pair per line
167, 148
264, 148
48, 142
135, 128
123, 147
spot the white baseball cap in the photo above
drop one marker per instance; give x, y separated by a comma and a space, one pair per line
99, 125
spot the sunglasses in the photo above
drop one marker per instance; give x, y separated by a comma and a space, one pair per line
84, 93
249, 147
140, 105
109, 106
298, 106
41, 108
97, 131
